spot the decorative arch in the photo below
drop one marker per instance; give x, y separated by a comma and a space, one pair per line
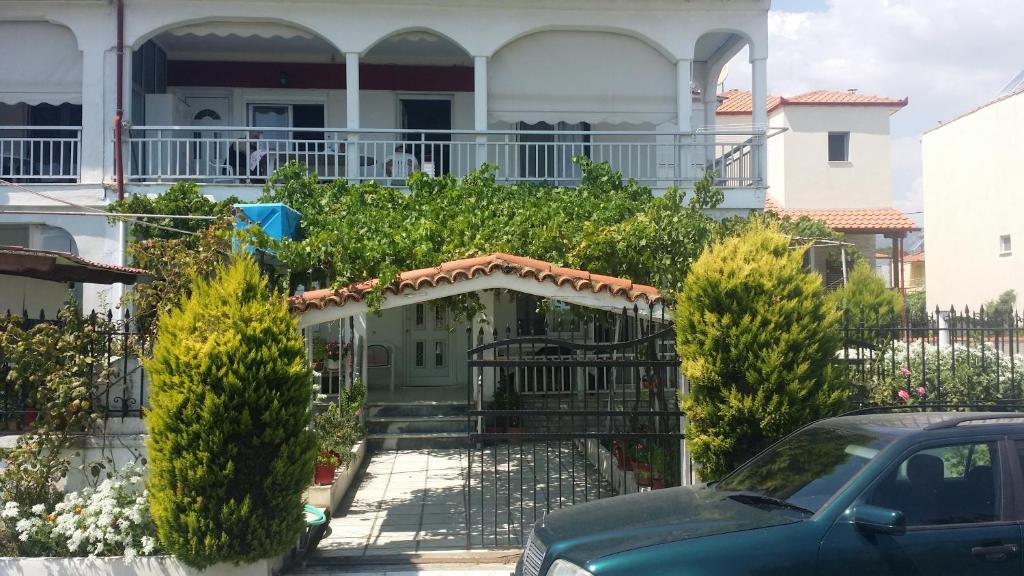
658, 46
413, 29
141, 39
747, 40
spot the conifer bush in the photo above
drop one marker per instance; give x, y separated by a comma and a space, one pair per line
229, 449
756, 336
866, 300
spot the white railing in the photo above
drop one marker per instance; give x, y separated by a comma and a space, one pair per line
37, 154
239, 156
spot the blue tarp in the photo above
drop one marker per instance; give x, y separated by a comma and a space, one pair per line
277, 220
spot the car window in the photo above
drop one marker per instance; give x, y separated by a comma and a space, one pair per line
955, 484
808, 468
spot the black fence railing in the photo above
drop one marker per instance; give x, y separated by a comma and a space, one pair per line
117, 383
568, 412
948, 357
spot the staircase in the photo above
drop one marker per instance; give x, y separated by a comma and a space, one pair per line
415, 425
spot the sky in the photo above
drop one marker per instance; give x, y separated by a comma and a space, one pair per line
946, 56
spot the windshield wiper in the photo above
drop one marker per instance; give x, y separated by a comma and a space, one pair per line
753, 498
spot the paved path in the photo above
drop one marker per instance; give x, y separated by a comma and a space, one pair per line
413, 502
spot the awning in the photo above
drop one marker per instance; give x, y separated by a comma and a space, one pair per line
53, 73
64, 267
572, 76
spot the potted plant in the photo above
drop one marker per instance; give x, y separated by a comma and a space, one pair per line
332, 353
319, 354
327, 463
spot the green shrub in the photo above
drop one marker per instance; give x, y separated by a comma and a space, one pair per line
756, 336
866, 300
958, 374
229, 450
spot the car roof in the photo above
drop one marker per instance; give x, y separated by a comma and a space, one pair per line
905, 423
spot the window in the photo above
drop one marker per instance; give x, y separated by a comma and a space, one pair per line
439, 353
419, 315
549, 157
838, 146
1005, 246
421, 354
957, 484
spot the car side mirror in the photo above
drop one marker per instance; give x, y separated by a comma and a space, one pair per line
878, 520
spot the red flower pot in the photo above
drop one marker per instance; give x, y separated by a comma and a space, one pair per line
324, 475
620, 459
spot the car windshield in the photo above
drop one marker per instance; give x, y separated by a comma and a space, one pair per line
808, 468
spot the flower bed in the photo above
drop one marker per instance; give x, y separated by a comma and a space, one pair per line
328, 497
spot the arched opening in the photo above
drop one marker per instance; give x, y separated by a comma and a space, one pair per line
419, 82
40, 103
243, 88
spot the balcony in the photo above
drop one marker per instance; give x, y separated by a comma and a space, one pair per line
40, 154
238, 155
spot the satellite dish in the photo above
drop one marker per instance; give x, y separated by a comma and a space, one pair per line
722, 76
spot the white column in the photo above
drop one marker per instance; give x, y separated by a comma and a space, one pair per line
352, 155
684, 121
480, 107
759, 117
95, 131
709, 96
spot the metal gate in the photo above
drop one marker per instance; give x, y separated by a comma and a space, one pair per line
570, 411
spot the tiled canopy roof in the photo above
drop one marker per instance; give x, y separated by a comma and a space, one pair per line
64, 267
740, 102
467, 269
915, 257
854, 221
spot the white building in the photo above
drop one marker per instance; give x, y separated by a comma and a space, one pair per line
223, 91
972, 204
832, 163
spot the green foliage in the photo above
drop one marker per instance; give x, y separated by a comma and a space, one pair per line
350, 233
337, 427
958, 374
181, 199
757, 337
229, 450
866, 300
918, 315
1000, 311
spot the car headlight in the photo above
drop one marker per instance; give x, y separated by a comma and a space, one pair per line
565, 568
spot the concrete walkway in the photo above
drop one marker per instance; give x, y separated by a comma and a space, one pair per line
413, 502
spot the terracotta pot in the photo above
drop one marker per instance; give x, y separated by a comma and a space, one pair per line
324, 475
642, 474
517, 431
318, 365
29, 418
657, 484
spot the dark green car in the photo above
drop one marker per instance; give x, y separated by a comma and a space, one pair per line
923, 493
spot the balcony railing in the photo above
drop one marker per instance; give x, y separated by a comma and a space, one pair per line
37, 154
234, 155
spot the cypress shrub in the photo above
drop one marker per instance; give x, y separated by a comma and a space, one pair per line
867, 301
756, 336
229, 449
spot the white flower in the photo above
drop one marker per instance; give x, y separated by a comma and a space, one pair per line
38, 509
148, 544
10, 510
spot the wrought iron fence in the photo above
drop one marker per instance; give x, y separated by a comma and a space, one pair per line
947, 357
571, 412
118, 381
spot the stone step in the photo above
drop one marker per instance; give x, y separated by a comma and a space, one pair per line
399, 426
417, 441
416, 410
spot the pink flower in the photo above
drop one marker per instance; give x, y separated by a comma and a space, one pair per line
904, 371
904, 395
921, 391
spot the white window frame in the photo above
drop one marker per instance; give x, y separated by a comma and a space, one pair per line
828, 147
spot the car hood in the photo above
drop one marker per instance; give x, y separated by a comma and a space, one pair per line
584, 532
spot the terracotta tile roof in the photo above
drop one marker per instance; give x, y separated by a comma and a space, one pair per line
740, 102
469, 268
64, 267
854, 221
915, 257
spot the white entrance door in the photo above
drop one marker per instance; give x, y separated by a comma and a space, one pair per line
210, 147
428, 346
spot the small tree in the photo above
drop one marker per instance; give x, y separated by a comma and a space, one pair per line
866, 300
229, 448
757, 337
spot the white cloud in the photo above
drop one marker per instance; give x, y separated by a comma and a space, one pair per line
947, 56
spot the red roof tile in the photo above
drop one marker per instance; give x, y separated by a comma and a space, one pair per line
740, 102
469, 268
854, 221
915, 257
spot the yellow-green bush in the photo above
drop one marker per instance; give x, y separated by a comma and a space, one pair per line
756, 336
229, 449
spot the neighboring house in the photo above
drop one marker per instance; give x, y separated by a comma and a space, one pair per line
831, 163
972, 203
223, 92
913, 270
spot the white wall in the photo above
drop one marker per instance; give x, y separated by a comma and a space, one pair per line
973, 195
